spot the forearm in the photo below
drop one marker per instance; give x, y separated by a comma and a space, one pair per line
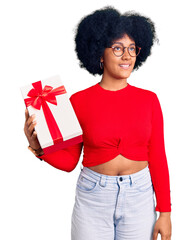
62, 160
65, 159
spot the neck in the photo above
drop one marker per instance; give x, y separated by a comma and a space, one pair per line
111, 83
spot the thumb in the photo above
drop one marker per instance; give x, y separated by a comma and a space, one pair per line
155, 235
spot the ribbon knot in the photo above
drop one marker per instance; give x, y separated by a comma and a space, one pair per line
38, 95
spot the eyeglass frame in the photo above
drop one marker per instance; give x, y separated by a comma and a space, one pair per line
124, 49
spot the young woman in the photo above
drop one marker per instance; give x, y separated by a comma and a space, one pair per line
124, 159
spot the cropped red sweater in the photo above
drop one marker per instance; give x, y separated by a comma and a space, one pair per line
129, 122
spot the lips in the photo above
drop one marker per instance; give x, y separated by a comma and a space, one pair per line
125, 66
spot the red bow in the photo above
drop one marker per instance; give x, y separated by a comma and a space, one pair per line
39, 97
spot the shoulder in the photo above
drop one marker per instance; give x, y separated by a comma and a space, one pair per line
148, 98
82, 95
143, 93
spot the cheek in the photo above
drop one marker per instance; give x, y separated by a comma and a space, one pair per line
111, 62
109, 58
112, 67
134, 60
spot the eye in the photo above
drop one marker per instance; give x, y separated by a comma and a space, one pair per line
132, 48
117, 48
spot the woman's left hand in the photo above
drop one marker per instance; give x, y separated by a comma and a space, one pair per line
163, 226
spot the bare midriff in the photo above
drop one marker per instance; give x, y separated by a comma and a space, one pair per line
119, 165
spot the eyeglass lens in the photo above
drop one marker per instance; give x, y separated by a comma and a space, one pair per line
118, 50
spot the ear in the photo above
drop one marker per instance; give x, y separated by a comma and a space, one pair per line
101, 59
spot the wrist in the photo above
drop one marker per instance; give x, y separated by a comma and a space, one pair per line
165, 214
38, 152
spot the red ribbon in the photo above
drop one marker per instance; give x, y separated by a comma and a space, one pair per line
39, 97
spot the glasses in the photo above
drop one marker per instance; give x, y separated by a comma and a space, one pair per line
119, 49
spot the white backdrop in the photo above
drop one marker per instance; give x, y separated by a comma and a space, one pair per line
37, 42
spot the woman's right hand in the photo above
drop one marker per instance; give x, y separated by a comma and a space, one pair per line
30, 132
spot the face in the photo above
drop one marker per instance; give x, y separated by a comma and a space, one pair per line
119, 67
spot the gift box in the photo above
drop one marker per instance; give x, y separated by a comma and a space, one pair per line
57, 124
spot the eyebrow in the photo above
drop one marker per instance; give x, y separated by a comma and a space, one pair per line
122, 43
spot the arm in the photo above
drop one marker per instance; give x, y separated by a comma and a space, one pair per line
65, 159
157, 160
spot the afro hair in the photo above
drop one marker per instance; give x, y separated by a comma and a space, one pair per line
98, 30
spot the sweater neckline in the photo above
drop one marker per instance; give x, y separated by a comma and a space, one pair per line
112, 91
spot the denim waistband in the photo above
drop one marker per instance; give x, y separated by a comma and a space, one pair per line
114, 179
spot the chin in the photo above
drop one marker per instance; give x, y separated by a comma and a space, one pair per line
123, 76
120, 74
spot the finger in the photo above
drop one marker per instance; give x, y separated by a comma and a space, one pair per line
155, 235
26, 114
34, 135
26, 119
31, 128
30, 120
28, 128
164, 238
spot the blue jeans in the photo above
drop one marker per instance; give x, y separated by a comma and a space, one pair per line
113, 207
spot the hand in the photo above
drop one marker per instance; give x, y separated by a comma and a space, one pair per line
163, 226
30, 132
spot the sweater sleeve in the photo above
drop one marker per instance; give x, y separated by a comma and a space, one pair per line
158, 165
65, 159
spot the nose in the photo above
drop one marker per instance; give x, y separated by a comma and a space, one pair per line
126, 54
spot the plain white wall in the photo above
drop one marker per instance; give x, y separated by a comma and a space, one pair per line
37, 42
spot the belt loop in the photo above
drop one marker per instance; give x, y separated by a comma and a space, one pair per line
81, 166
131, 180
103, 180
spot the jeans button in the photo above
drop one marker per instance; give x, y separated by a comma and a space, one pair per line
121, 179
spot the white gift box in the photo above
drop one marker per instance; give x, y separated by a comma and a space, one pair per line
57, 124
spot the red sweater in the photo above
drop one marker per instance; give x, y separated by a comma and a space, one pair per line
129, 122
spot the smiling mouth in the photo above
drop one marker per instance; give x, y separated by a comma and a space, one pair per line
125, 66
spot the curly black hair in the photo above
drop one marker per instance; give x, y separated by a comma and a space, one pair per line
96, 31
